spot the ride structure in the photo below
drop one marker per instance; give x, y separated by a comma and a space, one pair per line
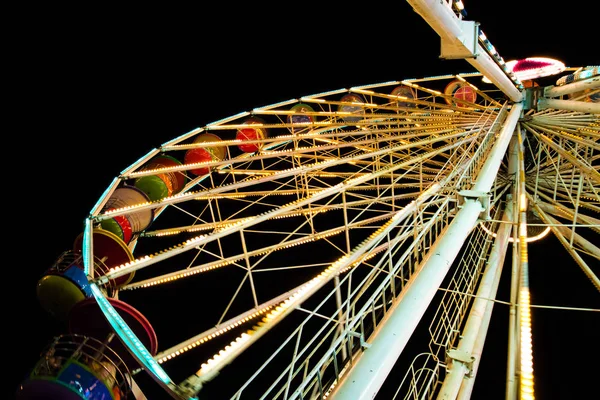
333, 238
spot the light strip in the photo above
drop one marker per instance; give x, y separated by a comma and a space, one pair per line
128, 337
525, 337
529, 239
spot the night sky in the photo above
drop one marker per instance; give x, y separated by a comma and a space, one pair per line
98, 89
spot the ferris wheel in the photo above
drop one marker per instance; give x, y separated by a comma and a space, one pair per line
303, 249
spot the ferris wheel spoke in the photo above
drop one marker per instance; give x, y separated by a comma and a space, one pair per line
577, 240
223, 327
561, 210
221, 262
559, 232
552, 194
575, 160
217, 362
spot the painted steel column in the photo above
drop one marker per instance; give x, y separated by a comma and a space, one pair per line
373, 366
510, 392
570, 105
480, 312
526, 375
486, 177
365, 379
579, 86
488, 67
450, 28
511, 360
466, 387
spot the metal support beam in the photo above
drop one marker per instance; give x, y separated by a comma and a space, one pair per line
511, 360
570, 105
457, 42
461, 375
570, 88
371, 370
526, 371
373, 366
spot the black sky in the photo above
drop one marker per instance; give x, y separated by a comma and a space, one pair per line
96, 89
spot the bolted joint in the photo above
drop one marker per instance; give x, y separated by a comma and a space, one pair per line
482, 197
463, 357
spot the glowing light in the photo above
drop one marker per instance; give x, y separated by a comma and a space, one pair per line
511, 240
523, 202
128, 336
534, 67
527, 391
